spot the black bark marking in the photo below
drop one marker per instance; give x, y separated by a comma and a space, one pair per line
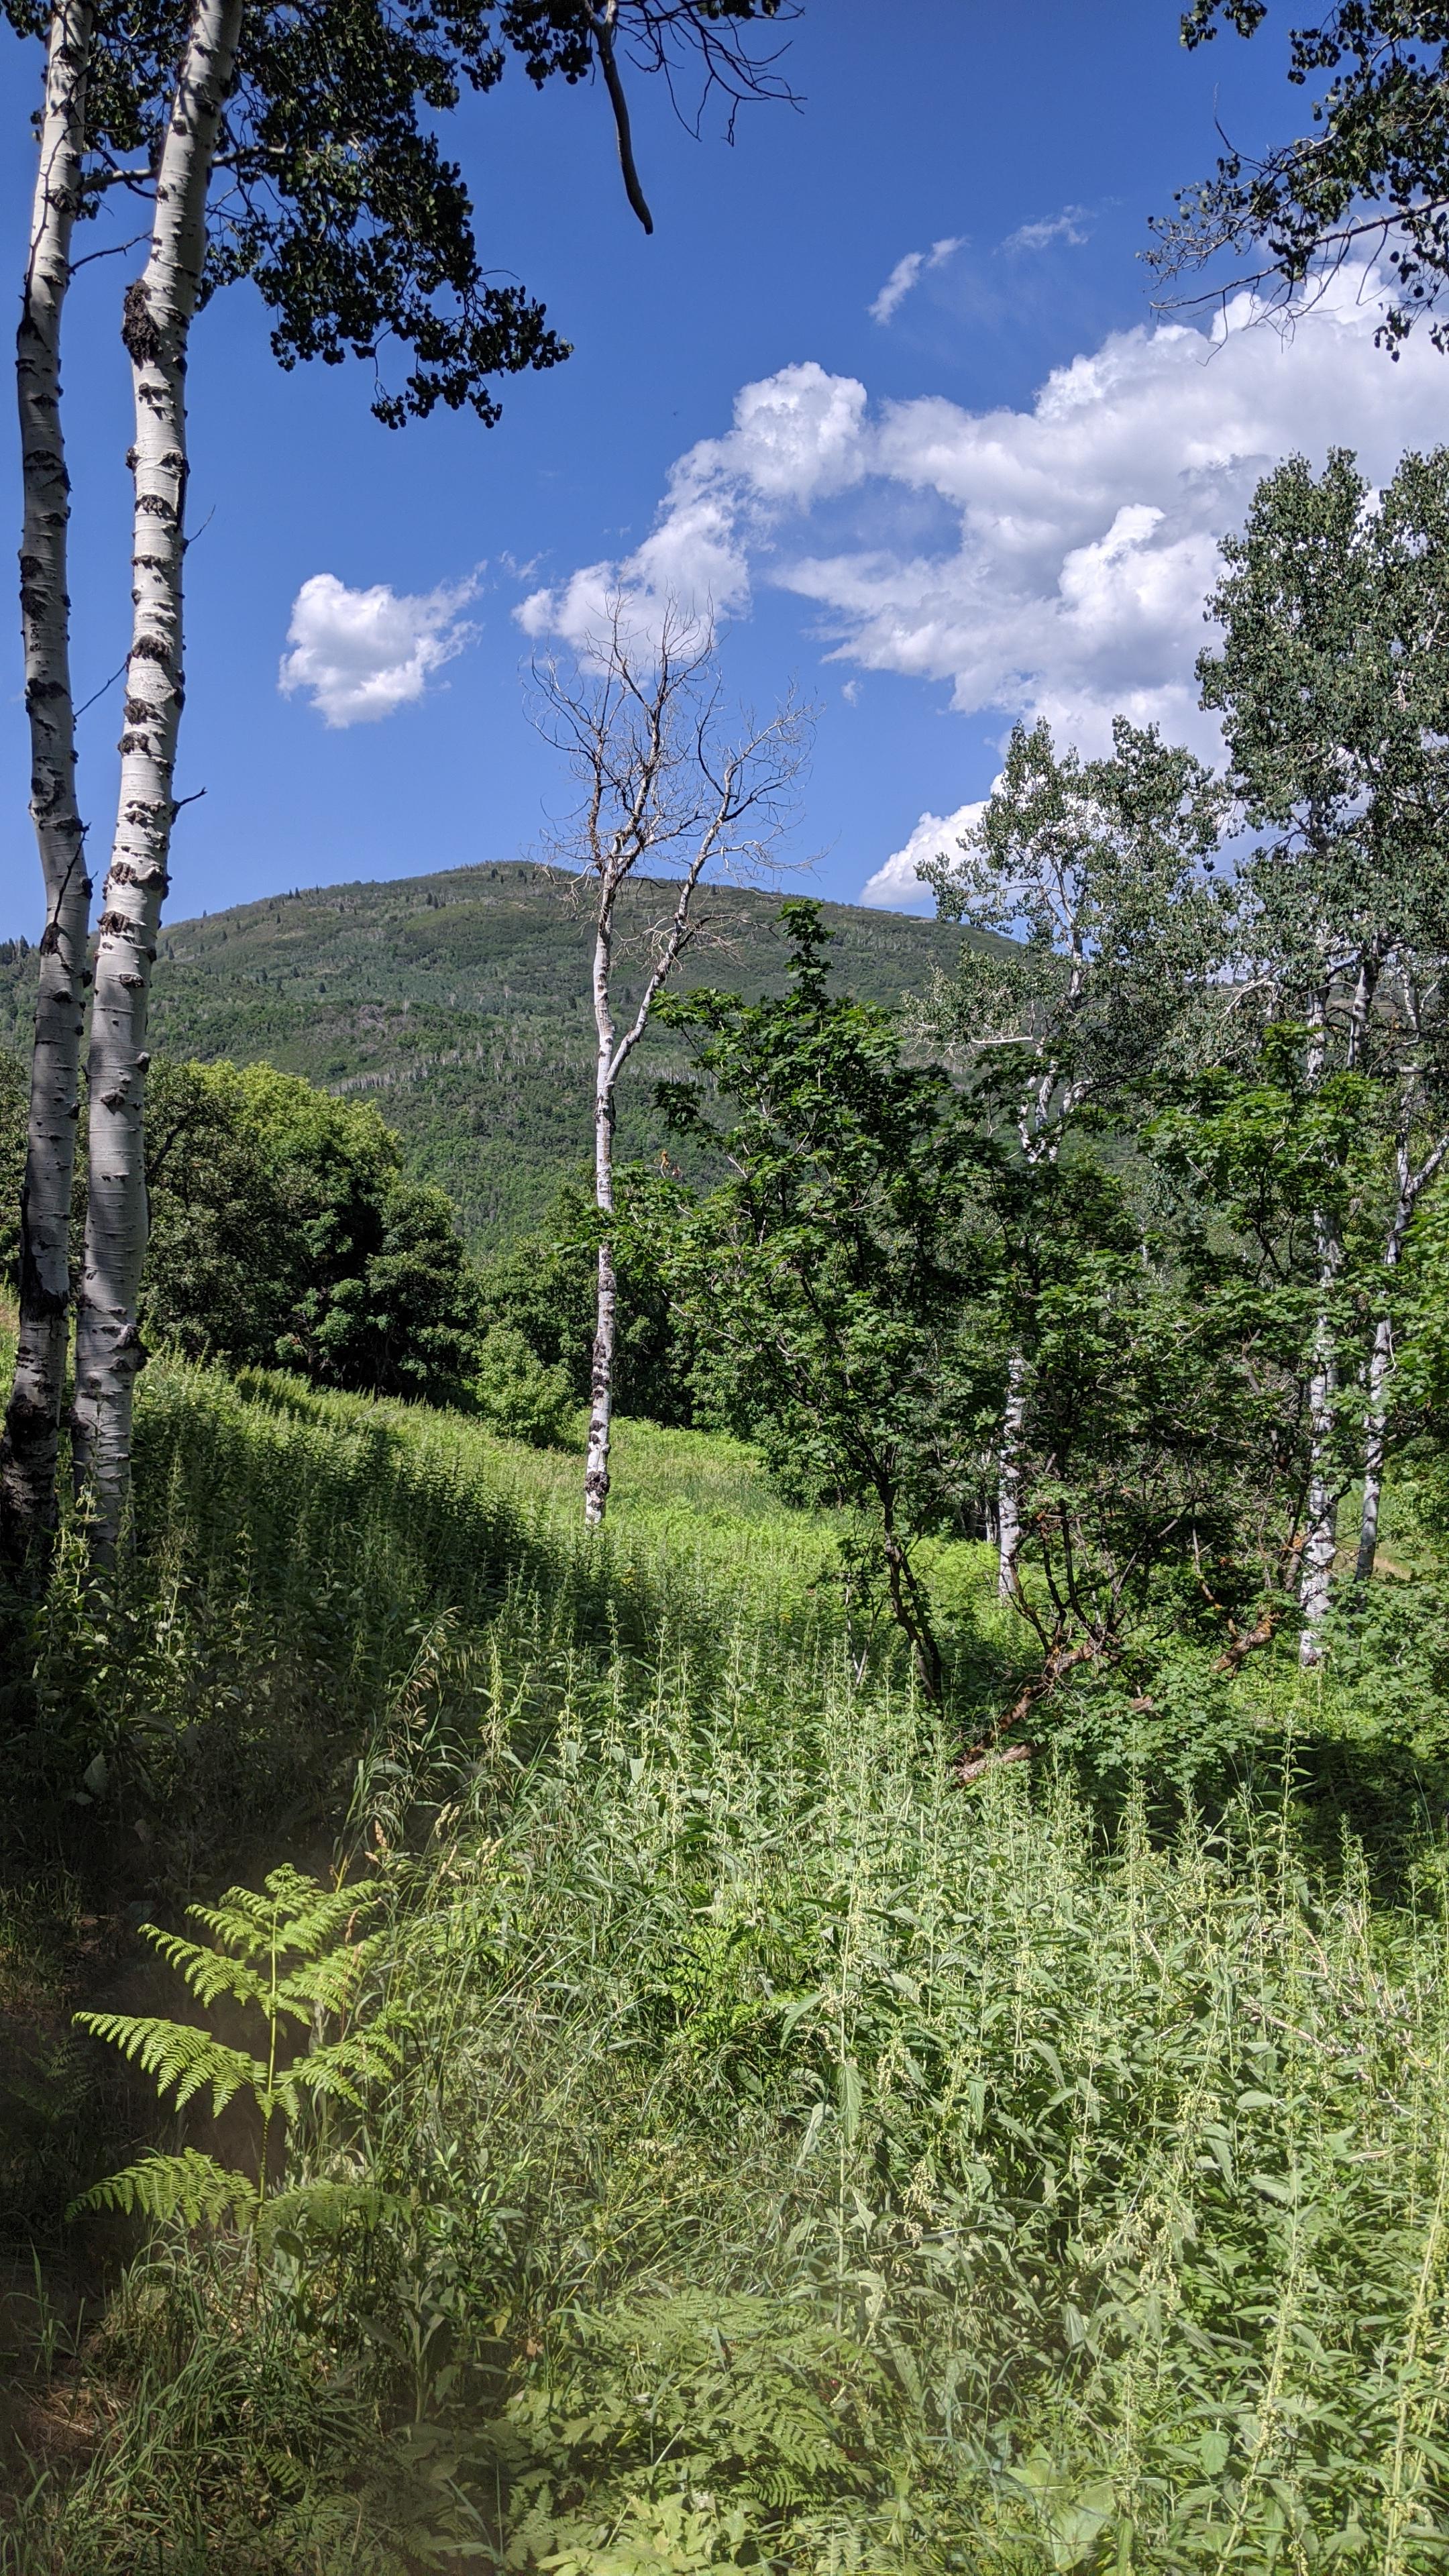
139, 333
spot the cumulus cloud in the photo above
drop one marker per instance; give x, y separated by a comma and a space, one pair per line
360, 654
1065, 227
796, 440
1079, 534
906, 272
896, 886
1087, 527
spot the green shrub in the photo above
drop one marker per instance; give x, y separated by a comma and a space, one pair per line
544, 1288
520, 1397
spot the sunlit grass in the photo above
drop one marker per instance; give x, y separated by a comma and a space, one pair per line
796, 2162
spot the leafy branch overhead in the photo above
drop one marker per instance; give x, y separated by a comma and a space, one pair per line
334, 193
1369, 179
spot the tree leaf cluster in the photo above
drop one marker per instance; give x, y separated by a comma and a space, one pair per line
1370, 176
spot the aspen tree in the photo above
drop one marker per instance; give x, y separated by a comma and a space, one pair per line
1332, 683
1104, 863
1368, 181
342, 209
28, 1452
97, 80
662, 787
158, 314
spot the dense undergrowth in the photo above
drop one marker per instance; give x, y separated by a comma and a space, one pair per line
795, 2160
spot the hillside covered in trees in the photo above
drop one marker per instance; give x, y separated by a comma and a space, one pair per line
459, 1004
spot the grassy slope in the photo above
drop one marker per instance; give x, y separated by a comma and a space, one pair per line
796, 2162
460, 1002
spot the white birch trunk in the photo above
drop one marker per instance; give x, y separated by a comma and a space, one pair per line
158, 312
1320, 1543
1410, 1184
1375, 1442
1320, 1537
612, 1055
28, 1451
1008, 1479
601, 1388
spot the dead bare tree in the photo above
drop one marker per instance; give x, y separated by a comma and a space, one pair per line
664, 786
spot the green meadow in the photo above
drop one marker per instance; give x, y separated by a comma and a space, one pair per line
783, 2156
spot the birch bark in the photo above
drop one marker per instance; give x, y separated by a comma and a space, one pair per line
1008, 1481
1381, 1360
28, 1451
1320, 1543
1320, 1540
1409, 1185
612, 1056
601, 1383
637, 722
158, 313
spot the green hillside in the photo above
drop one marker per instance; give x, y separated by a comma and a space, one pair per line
460, 1001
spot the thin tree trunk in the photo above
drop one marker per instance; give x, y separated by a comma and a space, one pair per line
1320, 1540
1374, 1447
158, 311
1410, 1185
29, 1449
601, 1390
1008, 1479
911, 1613
1320, 1544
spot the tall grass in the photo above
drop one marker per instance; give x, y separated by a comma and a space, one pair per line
796, 2161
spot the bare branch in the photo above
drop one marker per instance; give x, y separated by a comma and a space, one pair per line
603, 24
637, 717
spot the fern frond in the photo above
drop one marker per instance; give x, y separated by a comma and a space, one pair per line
323, 1923
207, 1972
327, 1984
326, 2207
179, 2056
191, 2185
243, 1923
291, 1913
338, 2070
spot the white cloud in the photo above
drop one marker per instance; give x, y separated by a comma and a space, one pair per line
906, 272
1065, 227
898, 285
1088, 526
896, 886
796, 440
363, 653
1081, 533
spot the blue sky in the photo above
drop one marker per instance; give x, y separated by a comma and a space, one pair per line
997, 492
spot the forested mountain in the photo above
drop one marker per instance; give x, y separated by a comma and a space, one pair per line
460, 1002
